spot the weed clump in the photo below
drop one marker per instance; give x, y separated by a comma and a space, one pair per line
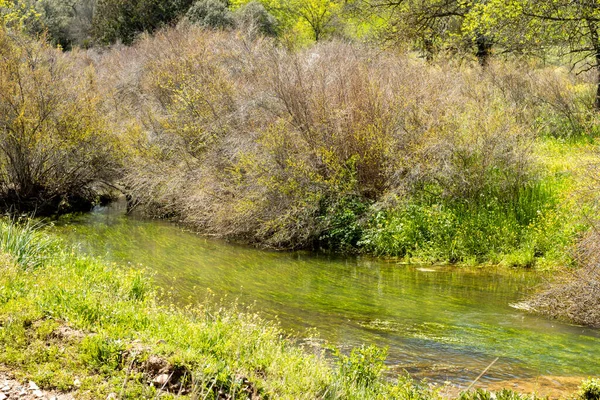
590, 390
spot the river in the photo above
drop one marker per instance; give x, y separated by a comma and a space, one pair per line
440, 322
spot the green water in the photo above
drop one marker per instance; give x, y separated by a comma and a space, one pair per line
440, 322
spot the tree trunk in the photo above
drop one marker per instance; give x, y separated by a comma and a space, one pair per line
596, 46
484, 47
597, 100
428, 49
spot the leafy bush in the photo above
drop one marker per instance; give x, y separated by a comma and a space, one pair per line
459, 229
67, 23
211, 14
54, 149
590, 390
343, 228
123, 20
254, 15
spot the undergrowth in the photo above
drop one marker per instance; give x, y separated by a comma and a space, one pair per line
345, 148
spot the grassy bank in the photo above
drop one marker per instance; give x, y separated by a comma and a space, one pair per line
76, 324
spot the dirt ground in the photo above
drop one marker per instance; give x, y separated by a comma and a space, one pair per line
11, 389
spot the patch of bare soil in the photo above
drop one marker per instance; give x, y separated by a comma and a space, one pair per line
12, 389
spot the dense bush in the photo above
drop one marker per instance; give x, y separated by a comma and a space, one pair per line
590, 390
254, 15
335, 146
211, 14
67, 23
54, 148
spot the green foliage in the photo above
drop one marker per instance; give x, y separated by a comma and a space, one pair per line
255, 15
342, 224
25, 243
363, 366
339, 147
211, 14
101, 353
123, 20
65, 23
590, 390
17, 14
458, 230
76, 317
54, 146
503, 394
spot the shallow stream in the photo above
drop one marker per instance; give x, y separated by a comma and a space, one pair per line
443, 323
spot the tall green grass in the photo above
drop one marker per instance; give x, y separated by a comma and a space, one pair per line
484, 229
26, 243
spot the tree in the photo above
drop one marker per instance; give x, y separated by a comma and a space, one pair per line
435, 24
569, 27
211, 14
317, 16
255, 15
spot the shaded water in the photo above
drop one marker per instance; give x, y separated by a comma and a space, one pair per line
441, 322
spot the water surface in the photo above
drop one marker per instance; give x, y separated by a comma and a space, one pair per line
444, 323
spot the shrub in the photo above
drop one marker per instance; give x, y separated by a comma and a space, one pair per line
335, 146
343, 225
54, 149
211, 14
460, 229
254, 15
123, 20
67, 24
590, 390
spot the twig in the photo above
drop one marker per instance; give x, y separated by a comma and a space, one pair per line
134, 355
483, 373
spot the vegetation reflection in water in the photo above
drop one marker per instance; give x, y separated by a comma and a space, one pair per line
441, 322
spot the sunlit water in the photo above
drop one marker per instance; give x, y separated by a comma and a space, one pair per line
440, 322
